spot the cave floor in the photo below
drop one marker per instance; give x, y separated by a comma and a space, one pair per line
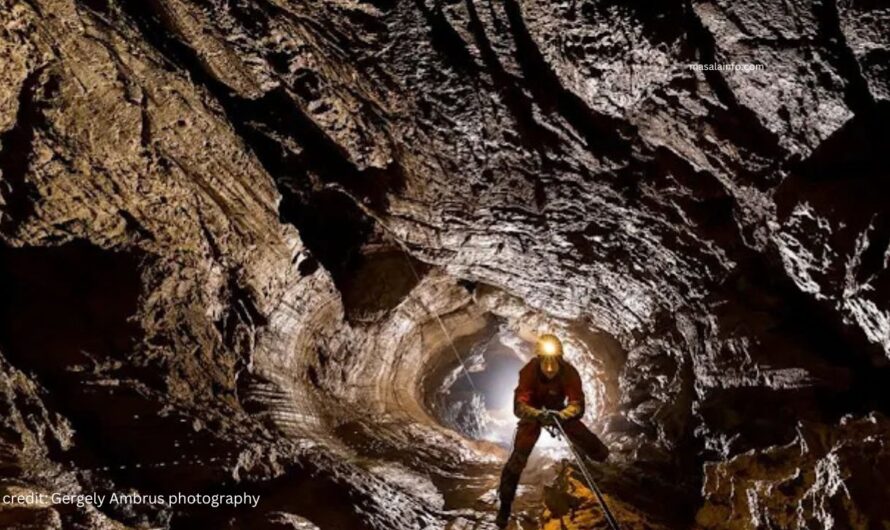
471, 497
464, 493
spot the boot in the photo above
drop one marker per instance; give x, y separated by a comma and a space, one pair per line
507, 488
503, 518
506, 494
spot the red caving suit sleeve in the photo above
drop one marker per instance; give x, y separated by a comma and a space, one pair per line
574, 396
522, 396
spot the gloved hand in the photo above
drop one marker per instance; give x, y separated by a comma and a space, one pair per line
572, 411
547, 417
526, 412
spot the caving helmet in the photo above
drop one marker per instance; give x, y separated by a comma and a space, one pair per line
549, 352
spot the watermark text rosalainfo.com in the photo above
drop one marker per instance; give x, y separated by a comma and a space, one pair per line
726, 67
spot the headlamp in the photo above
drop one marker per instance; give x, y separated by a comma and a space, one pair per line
549, 347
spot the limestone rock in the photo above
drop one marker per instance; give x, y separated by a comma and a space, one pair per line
243, 244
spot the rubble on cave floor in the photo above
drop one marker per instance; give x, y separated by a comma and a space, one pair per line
558, 499
569, 504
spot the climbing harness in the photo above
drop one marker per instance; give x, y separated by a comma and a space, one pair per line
613, 523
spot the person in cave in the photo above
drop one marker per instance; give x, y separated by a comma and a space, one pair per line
549, 389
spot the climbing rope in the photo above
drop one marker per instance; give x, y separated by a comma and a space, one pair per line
610, 519
441, 324
407, 255
613, 523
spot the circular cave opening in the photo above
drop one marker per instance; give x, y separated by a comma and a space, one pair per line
472, 392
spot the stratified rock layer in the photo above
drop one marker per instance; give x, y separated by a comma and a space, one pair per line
237, 240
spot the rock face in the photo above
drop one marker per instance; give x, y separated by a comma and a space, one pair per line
241, 241
826, 478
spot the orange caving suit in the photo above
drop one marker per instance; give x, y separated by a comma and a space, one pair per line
534, 393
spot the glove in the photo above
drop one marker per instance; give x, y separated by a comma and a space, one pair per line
572, 411
526, 412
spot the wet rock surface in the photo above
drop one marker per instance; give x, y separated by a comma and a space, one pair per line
237, 240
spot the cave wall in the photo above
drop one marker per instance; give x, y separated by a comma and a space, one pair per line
242, 163
123, 180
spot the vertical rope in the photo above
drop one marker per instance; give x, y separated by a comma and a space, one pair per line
407, 255
613, 523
